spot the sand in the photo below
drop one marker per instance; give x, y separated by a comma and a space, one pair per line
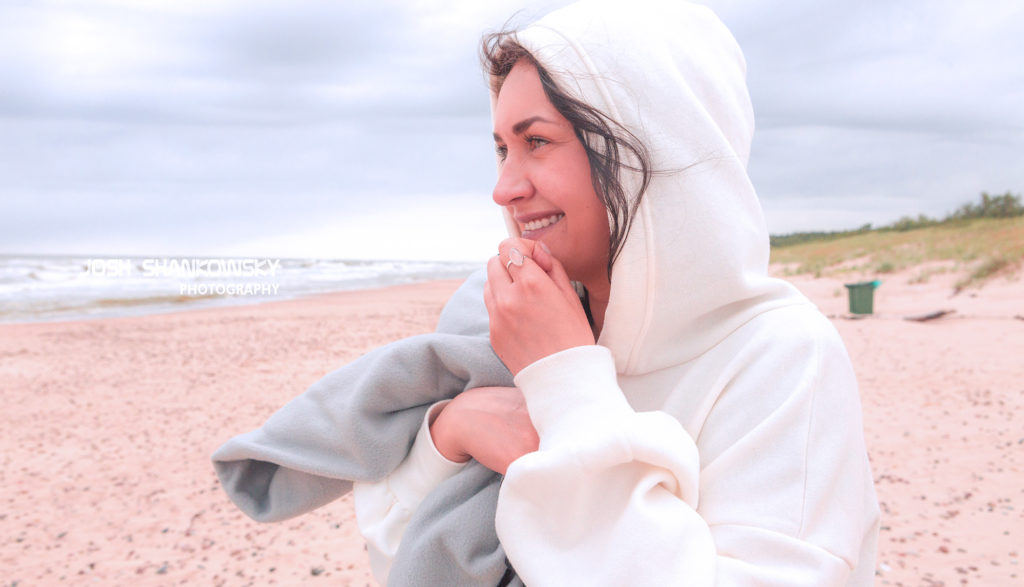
108, 426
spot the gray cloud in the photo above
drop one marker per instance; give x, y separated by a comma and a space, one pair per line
208, 126
887, 65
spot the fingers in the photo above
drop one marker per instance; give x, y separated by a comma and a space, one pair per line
523, 269
496, 274
515, 254
515, 249
557, 272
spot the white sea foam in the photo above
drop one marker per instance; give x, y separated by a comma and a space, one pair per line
46, 288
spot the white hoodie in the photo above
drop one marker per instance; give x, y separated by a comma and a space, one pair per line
713, 435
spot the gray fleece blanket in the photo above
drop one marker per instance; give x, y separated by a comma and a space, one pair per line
358, 424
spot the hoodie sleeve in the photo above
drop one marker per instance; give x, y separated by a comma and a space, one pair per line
385, 508
619, 497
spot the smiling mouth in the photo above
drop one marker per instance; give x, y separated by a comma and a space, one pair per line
542, 222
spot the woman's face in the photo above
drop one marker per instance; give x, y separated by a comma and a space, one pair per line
544, 177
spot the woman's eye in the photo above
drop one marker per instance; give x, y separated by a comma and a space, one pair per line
501, 151
536, 142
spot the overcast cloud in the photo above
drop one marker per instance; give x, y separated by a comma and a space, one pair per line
360, 130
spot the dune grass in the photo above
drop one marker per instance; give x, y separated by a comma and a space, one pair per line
976, 249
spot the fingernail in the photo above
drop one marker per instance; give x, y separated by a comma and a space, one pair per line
544, 246
515, 256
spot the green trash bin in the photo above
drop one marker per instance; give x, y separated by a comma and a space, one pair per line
862, 296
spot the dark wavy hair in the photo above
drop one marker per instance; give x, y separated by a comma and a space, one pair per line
604, 139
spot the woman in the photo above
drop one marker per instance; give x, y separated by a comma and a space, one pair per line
687, 420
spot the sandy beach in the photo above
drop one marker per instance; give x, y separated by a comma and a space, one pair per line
109, 425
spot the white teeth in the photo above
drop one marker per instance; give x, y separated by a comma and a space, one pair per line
542, 222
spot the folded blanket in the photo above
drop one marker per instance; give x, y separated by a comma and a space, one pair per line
358, 424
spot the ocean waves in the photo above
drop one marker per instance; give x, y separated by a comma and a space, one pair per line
49, 288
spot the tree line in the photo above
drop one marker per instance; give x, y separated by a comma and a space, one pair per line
1007, 205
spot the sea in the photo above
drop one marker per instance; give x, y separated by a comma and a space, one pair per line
40, 288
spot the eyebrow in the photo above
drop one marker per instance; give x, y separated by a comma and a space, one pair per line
521, 126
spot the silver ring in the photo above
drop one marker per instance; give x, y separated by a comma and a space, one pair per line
507, 265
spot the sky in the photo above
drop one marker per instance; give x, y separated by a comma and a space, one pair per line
360, 130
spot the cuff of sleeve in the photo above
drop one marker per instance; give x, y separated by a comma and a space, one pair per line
425, 468
572, 392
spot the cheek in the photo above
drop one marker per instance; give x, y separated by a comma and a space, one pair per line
599, 229
587, 202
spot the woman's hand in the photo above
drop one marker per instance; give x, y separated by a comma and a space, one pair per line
489, 424
534, 310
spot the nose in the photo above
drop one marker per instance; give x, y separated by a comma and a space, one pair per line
513, 184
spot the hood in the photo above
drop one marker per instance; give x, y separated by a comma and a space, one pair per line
694, 265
